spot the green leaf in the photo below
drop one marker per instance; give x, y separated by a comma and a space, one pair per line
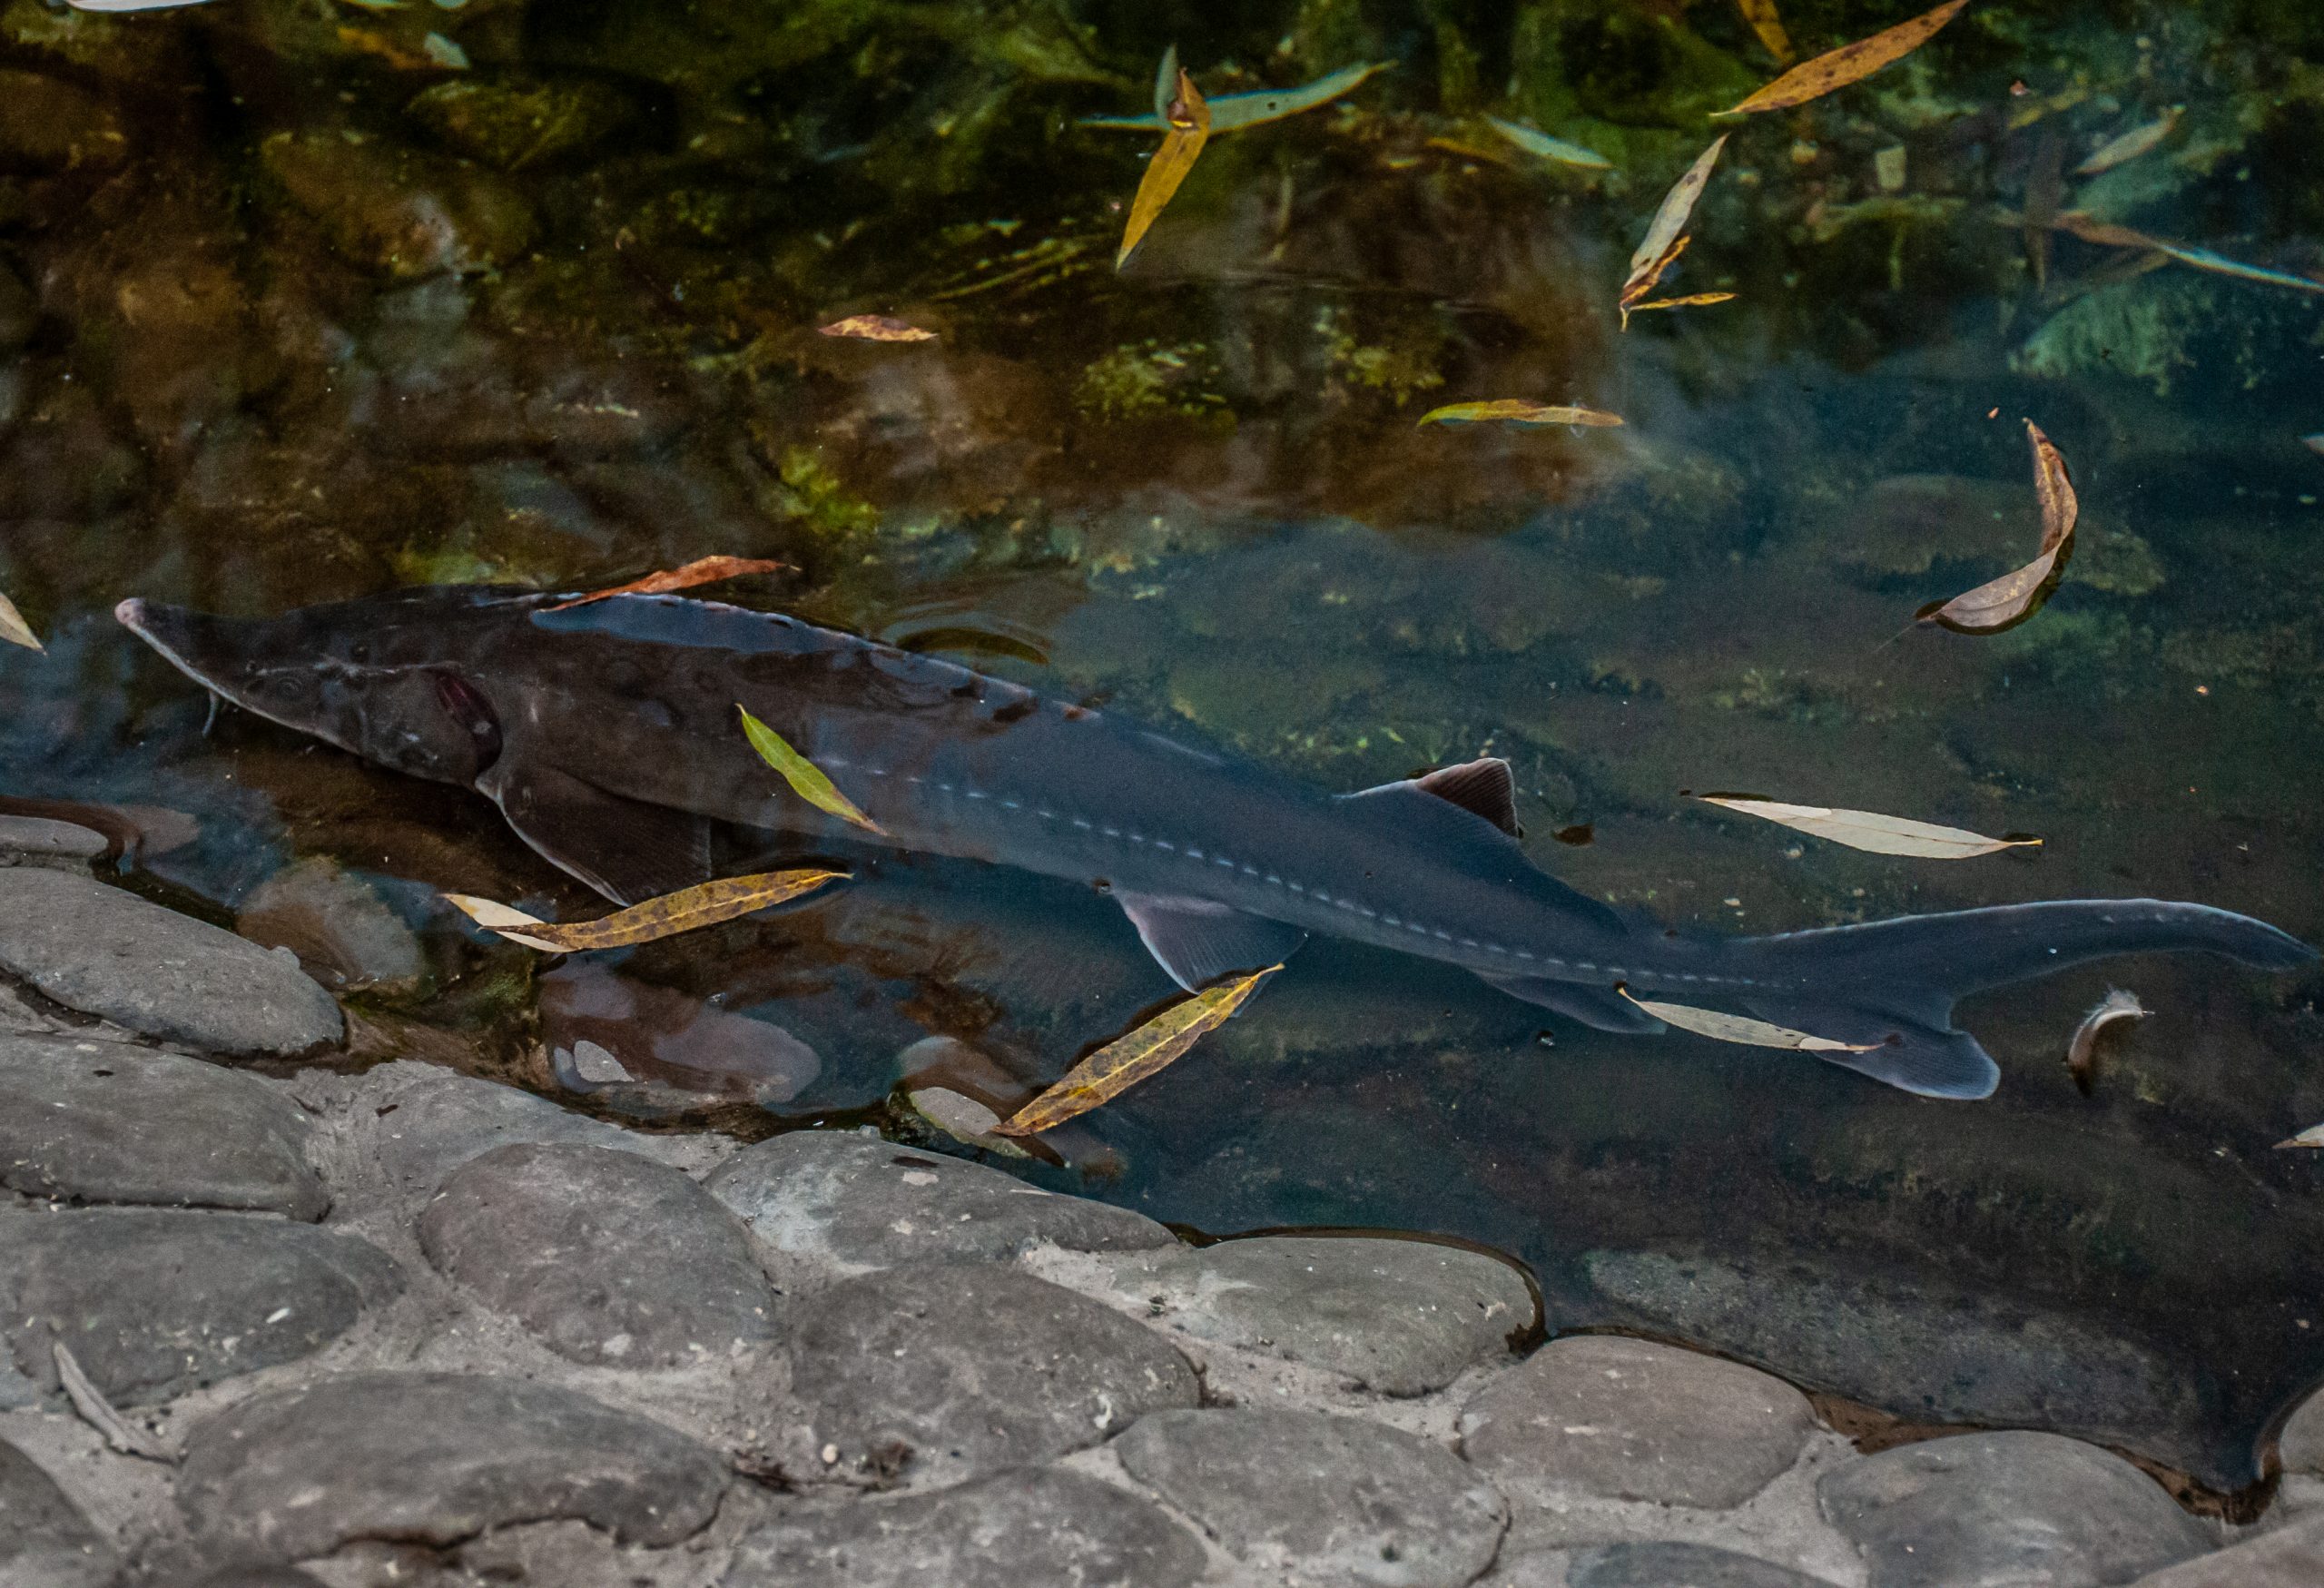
806, 779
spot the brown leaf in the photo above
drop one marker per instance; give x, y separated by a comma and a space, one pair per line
13, 628
1691, 301
1769, 26
1666, 238
878, 328
1187, 127
2082, 1053
702, 570
2311, 1137
703, 904
1870, 832
1734, 1028
2011, 599
1517, 411
1127, 1060
1848, 64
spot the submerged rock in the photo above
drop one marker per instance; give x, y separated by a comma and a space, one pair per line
47, 1542
397, 213
51, 125
511, 124
342, 931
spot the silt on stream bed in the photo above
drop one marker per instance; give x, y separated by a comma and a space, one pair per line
289, 311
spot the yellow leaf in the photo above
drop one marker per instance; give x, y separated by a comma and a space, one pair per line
1693, 300
878, 328
1186, 128
1761, 16
703, 904
2311, 1137
14, 629
1848, 64
1666, 236
2115, 151
805, 778
1549, 148
1516, 411
1876, 833
2017, 596
702, 570
1125, 1062
1736, 1028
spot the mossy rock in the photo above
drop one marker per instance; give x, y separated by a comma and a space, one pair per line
397, 213
1617, 63
511, 123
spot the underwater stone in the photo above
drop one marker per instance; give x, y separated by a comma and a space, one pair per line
47, 1542
1310, 1498
1996, 1510
1039, 1528
510, 124
397, 213
1629, 1420
342, 931
108, 952
51, 125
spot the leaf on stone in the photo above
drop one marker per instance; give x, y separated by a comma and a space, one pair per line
2130, 145
1691, 301
1232, 112
1127, 1060
1549, 148
96, 1411
877, 328
963, 1119
1871, 832
1666, 238
2311, 1137
14, 629
805, 778
2081, 1050
1514, 410
703, 904
1769, 26
702, 570
1734, 1028
1848, 64
1186, 128
2011, 599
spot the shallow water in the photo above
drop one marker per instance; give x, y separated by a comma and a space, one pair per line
295, 313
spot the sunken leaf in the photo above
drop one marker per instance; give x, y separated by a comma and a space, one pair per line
1849, 62
877, 328
1736, 1028
1691, 301
13, 628
1769, 26
2311, 1137
1868, 830
1125, 1062
806, 779
1232, 111
2081, 1050
1549, 148
1186, 128
2130, 145
702, 570
1516, 411
2017, 596
703, 904
1666, 236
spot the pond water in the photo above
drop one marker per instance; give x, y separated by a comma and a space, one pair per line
295, 306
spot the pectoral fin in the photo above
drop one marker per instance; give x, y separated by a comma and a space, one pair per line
1198, 941
628, 850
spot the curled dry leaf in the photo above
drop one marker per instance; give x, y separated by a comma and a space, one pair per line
2082, 1052
1666, 236
963, 1119
1232, 112
2311, 1137
702, 570
1769, 26
1186, 127
1127, 1060
1848, 64
1549, 148
1871, 832
877, 328
14, 629
806, 779
1736, 1028
98, 1412
1516, 411
2130, 145
703, 904
2011, 599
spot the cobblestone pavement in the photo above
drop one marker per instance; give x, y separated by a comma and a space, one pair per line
410, 1328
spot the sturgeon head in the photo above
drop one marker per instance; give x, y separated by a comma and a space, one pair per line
398, 679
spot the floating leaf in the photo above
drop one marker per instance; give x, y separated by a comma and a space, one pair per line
2311, 1137
117, 6
1769, 26
1231, 112
702, 570
2082, 1053
1516, 411
1549, 148
703, 904
805, 778
1868, 830
1736, 1028
1691, 301
2013, 597
1125, 1062
14, 629
1666, 237
1848, 64
878, 328
2201, 259
1186, 122
2130, 145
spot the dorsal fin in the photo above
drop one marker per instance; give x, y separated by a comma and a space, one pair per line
1483, 787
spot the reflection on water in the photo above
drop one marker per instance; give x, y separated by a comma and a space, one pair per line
289, 312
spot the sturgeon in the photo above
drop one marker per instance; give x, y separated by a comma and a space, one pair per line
608, 737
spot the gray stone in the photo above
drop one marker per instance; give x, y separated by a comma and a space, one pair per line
1306, 1497
1626, 1420
2300, 1446
860, 1203
39, 841
256, 1575
1401, 1316
342, 931
1033, 1528
107, 1122
435, 1458
155, 1302
427, 1121
108, 952
1679, 1565
44, 1541
974, 1368
2002, 1510
611, 1258
2289, 1557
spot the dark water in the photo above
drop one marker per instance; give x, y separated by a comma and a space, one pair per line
293, 311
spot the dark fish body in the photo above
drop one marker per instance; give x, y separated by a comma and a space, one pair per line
609, 736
